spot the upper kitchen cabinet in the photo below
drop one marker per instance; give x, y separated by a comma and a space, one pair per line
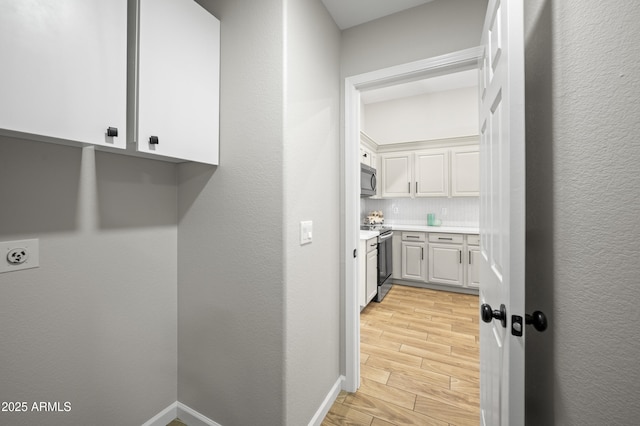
178, 83
64, 70
432, 173
397, 174
465, 171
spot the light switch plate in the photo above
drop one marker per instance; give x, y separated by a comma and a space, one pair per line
18, 255
306, 232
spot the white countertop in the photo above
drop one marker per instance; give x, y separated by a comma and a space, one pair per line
446, 229
365, 235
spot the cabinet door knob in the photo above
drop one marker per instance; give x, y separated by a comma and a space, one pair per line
153, 140
112, 131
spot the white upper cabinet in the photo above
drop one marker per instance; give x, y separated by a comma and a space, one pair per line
397, 175
432, 173
465, 171
178, 80
64, 70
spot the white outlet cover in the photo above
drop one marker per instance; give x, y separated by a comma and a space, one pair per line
32, 248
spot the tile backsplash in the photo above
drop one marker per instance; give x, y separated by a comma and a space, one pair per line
463, 211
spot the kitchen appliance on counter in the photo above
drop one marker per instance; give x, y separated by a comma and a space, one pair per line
385, 258
367, 181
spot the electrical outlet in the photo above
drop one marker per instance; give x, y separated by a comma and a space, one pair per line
18, 255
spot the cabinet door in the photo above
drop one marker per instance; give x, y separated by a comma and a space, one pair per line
64, 70
473, 267
465, 172
178, 80
445, 264
396, 175
413, 261
432, 173
372, 275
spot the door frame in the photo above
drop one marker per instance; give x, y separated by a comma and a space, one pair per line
353, 85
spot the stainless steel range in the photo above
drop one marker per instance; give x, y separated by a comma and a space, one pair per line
385, 256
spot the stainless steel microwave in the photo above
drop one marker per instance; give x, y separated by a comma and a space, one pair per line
367, 181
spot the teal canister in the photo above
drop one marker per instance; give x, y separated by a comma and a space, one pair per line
431, 219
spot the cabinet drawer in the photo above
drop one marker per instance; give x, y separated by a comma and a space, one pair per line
446, 238
473, 240
372, 244
414, 236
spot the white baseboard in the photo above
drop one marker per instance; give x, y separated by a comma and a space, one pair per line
324, 408
192, 418
188, 415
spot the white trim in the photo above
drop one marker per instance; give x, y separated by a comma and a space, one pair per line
444, 64
178, 410
164, 417
324, 408
193, 418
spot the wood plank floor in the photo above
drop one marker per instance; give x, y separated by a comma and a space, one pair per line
419, 354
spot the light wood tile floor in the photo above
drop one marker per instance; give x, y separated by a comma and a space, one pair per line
419, 354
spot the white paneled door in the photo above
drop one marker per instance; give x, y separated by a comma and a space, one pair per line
502, 215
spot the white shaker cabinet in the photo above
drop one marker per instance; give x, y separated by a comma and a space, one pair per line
432, 173
368, 279
446, 259
414, 256
397, 175
473, 261
465, 171
178, 81
64, 70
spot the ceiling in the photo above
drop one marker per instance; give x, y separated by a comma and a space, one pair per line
349, 13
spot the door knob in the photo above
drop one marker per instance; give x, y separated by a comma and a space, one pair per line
537, 319
489, 314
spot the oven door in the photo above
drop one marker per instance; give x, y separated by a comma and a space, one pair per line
385, 256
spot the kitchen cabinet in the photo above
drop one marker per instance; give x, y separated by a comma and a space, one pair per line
64, 71
473, 261
397, 175
441, 172
465, 171
372, 272
368, 157
396, 255
178, 81
368, 280
432, 173
445, 259
414, 261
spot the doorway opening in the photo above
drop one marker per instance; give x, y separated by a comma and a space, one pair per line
445, 64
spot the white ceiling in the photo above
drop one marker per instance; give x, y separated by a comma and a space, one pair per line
349, 13
440, 83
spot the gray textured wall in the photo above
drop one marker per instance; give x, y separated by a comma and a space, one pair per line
583, 150
231, 248
95, 325
311, 188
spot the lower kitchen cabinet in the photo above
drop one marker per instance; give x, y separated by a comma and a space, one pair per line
414, 259
372, 275
368, 280
439, 258
445, 264
473, 261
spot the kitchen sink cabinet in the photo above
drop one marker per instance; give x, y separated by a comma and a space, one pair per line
64, 71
